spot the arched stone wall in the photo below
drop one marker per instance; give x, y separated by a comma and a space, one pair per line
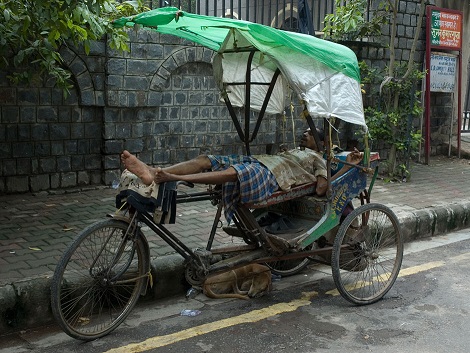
184, 116
48, 140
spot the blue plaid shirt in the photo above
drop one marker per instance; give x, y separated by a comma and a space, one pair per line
255, 181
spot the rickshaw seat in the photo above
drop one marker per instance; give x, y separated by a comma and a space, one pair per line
304, 189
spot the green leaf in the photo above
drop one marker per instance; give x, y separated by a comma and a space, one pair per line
6, 15
86, 45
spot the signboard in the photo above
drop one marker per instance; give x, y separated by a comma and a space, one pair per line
443, 69
446, 29
444, 33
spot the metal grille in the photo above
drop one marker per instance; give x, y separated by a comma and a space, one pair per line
283, 14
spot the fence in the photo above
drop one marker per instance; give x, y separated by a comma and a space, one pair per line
275, 13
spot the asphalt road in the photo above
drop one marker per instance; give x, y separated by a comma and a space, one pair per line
426, 311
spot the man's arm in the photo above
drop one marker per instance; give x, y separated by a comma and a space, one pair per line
355, 157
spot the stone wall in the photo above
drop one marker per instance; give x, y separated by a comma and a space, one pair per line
48, 141
159, 101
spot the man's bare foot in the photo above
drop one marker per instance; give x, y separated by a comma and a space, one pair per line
136, 166
161, 176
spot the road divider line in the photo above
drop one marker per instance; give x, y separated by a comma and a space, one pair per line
250, 317
255, 315
420, 268
403, 272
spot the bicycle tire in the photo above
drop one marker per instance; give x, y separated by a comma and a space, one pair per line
286, 268
90, 297
367, 254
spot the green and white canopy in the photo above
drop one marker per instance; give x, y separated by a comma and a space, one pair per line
324, 74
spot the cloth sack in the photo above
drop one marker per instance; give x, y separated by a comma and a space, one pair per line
158, 199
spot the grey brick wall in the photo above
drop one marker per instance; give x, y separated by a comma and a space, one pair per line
159, 101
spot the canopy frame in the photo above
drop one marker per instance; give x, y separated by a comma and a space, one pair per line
244, 135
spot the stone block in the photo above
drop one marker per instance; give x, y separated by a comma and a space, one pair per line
87, 97
28, 96
17, 184
10, 115
181, 98
97, 48
23, 166
47, 165
63, 164
111, 175
77, 162
137, 67
123, 130
27, 115
93, 130
57, 148
83, 178
155, 51
137, 98
116, 66
9, 167
39, 182
138, 129
135, 145
112, 162
95, 177
7, 96
23, 149
68, 179
47, 114
113, 146
154, 99
55, 180
111, 115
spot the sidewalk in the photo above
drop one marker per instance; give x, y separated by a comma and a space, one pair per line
36, 229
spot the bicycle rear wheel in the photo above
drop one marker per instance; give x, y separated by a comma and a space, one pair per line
367, 254
98, 280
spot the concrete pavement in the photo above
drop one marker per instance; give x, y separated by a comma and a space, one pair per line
36, 229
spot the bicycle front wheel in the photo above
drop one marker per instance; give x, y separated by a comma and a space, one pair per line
98, 280
367, 254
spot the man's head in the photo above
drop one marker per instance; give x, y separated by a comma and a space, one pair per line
308, 141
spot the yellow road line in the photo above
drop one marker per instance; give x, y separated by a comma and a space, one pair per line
420, 268
403, 272
252, 316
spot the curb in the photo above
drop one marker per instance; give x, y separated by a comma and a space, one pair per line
25, 304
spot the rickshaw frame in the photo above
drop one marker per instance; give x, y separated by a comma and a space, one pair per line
119, 259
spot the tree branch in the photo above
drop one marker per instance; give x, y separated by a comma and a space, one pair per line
415, 40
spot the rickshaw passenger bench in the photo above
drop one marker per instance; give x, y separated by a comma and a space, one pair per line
299, 205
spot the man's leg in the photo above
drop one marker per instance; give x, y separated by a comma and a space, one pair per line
187, 171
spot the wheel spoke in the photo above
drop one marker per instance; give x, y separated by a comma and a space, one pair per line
98, 280
365, 269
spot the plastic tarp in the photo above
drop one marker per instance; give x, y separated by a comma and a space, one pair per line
231, 68
324, 74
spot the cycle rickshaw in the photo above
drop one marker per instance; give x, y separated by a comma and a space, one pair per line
102, 274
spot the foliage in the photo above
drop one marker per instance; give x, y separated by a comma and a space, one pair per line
390, 122
348, 22
391, 98
32, 31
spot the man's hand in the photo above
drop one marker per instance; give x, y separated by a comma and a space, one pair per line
355, 157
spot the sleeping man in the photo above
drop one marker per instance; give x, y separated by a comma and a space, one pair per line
246, 179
